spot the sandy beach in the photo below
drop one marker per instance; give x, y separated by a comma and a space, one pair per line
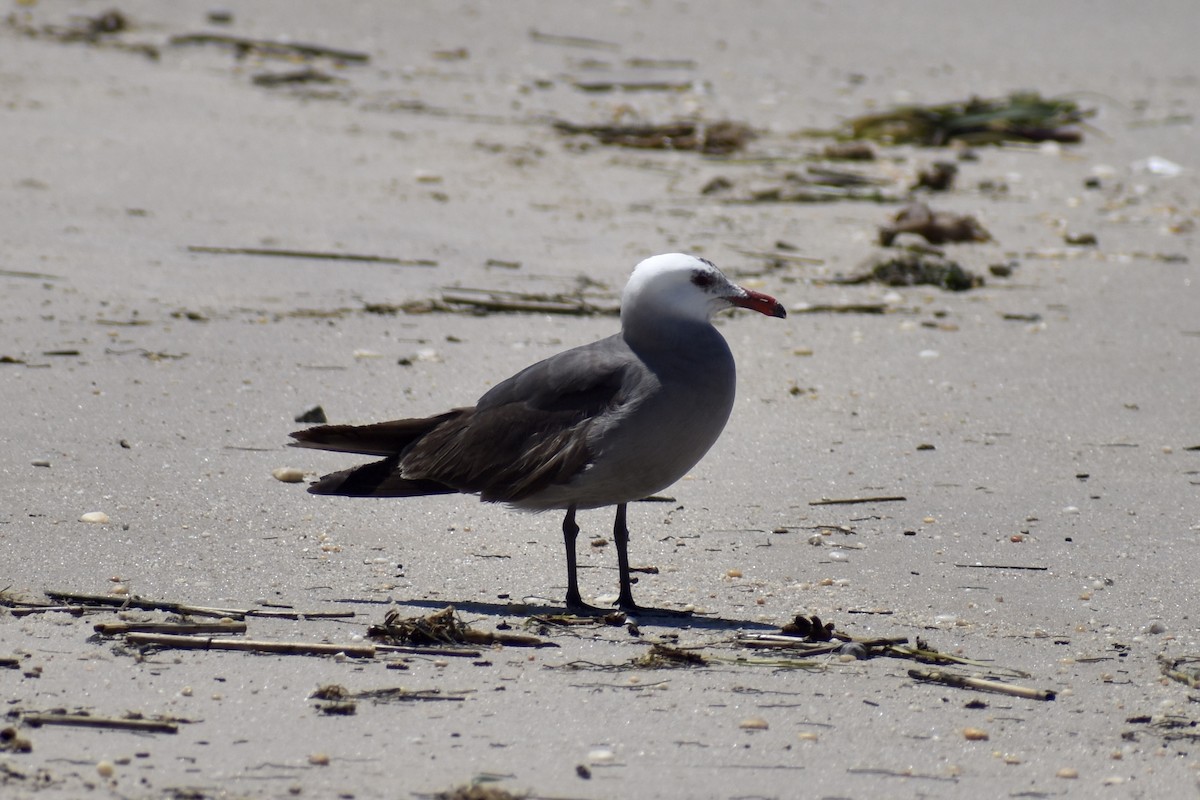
218, 217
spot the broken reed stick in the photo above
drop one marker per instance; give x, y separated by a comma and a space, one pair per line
825, 501
315, 254
174, 641
117, 628
197, 611
982, 684
112, 723
1000, 566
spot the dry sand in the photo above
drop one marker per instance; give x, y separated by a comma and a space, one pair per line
1060, 403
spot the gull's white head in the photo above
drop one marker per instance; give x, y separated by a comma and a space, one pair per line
679, 286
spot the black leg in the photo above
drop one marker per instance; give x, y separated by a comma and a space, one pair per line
575, 602
570, 532
621, 538
625, 599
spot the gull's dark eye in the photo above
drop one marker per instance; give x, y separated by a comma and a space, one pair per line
703, 279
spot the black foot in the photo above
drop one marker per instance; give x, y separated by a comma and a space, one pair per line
634, 610
582, 609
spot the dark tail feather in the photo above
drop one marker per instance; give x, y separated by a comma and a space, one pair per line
377, 479
380, 439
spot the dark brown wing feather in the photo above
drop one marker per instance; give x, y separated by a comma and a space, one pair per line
527, 433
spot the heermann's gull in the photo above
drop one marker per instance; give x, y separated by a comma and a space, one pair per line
599, 425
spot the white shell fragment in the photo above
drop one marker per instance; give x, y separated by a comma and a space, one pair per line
288, 474
95, 518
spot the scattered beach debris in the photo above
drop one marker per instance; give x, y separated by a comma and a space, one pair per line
665, 656
936, 227
287, 474
335, 699
1184, 669
313, 414
818, 184
477, 791
189, 610
710, 138
848, 151
104, 29
913, 268
12, 742
443, 627
937, 177
292, 77
1019, 117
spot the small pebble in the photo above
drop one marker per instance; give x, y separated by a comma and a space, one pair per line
839, 555
288, 474
733, 573
1067, 772
40, 462
975, 734
1156, 627
601, 756
105, 769
95, 518
807, 736
753, 724
319, 759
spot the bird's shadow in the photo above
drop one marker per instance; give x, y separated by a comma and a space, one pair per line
647, 618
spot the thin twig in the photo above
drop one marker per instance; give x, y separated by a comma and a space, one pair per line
825, 501
1000, 566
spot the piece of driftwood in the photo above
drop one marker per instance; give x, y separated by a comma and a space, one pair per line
111, 723
173, 641
981, 684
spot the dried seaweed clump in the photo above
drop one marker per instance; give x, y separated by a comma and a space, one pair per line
710, 138
1019, 117
440, 627
911, 268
